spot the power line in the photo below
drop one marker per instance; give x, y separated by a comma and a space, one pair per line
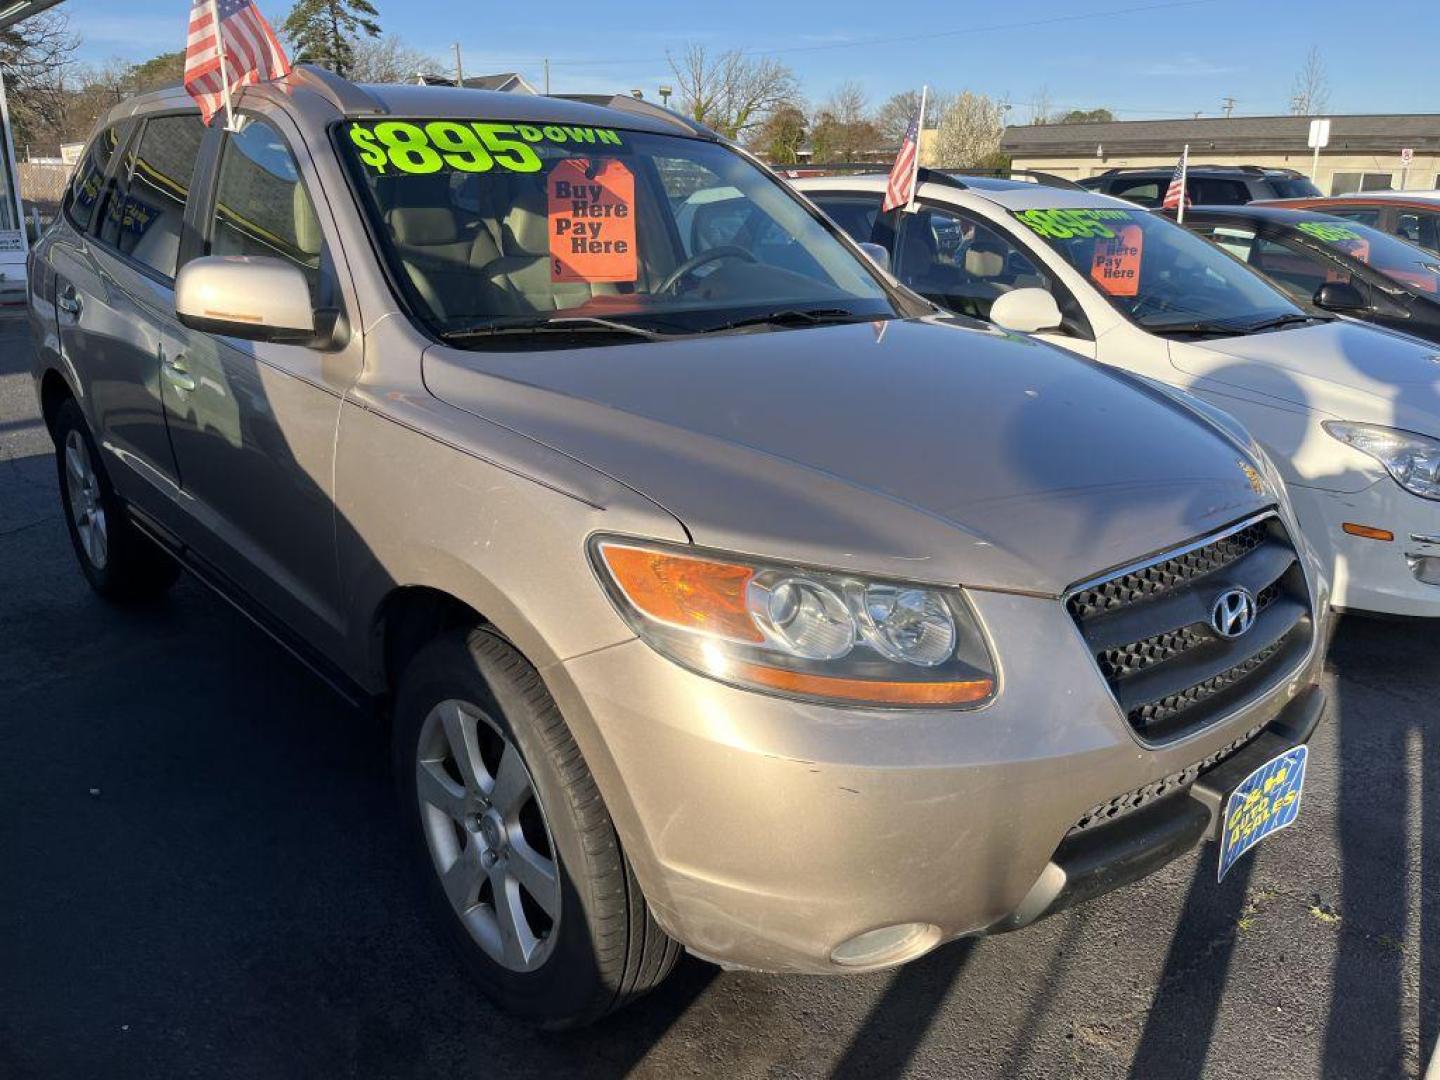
1134, 9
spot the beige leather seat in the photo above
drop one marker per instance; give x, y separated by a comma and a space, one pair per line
522, 271
447, 267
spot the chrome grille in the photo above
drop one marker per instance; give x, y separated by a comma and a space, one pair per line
1148, 627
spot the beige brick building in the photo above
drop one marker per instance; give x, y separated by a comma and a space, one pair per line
1363, 154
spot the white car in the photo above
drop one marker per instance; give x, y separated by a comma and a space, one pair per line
1350, 413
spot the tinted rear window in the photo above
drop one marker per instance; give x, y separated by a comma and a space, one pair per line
1294, 188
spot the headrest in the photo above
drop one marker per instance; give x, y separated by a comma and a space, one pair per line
424, 226
981, 262
525, 229
308, 237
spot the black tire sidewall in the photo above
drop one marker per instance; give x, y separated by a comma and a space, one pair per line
570, 987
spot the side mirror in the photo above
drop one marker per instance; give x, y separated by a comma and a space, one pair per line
258, 298
1340, 296
877, 254
1026, 311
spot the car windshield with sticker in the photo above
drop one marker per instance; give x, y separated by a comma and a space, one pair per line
1160, 276
1404, 263
491, 227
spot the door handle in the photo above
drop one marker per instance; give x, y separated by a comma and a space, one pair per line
69, 302
173, 368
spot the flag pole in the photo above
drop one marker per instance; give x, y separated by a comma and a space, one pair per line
919, 138
1184, 184
224, 71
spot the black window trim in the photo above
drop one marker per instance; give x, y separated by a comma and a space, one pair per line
135, 139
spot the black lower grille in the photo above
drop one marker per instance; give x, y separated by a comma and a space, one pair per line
1153, 632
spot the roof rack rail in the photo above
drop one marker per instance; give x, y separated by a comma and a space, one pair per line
924, 174
1044, 179
346, 96
640, 107
1261, 169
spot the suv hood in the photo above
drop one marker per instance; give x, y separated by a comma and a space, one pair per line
925, 450
1348, 369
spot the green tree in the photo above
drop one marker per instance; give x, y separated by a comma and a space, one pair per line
781, 136
324, 31
1084, 116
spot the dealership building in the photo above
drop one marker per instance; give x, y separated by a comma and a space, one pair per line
1364, 152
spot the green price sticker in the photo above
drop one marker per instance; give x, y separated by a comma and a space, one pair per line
1328, 233
420, 147
1069, 224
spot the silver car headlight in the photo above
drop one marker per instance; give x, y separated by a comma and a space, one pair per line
1413, 460
797, 631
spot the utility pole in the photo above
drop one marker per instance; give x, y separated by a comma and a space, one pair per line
1228, 104
459, 71
547, 76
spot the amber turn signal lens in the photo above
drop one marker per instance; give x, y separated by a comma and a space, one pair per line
1369, 532
693, 594
878, 692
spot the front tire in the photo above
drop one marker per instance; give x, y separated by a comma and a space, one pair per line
121, 563
519, 859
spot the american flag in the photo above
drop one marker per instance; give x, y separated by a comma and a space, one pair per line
252, 52
1175, 197
901, 188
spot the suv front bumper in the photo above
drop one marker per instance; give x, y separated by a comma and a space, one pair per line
766, 832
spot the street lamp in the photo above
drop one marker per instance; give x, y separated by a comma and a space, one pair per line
665, 92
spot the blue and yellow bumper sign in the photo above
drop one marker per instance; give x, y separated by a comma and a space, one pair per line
1266, 801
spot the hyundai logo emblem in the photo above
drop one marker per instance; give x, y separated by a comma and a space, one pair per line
1233, 613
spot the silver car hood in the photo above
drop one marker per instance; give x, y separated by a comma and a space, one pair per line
928, 450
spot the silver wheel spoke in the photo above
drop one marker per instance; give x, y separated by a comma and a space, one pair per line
462, 881
99, 538
464, 742
536, 874
512, 786
75, 465
518, 942
439, 791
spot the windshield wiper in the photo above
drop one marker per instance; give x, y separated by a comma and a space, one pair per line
1290, 319
791, 317
1197, 327
568, 324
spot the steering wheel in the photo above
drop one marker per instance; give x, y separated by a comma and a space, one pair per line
690, 265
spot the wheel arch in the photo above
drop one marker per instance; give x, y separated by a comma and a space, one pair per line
55, 390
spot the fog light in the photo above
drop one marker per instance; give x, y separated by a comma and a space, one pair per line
887, 945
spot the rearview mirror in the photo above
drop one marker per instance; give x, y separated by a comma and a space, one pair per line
1026, 311
1340, 296
878, 255
257, 298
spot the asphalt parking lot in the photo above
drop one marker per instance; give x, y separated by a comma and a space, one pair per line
200, 874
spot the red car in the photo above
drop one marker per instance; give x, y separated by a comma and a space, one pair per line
1413, 216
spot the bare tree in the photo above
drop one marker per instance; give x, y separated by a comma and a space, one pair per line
1310, 92
1041, 106
893, 117
731, 92
841, 129
970, 130
36, 58
388, 60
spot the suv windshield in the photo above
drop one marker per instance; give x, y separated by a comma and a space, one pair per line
1159, 275
1411, 266
506, 230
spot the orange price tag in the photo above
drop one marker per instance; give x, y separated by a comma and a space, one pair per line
592, 222
1116, 265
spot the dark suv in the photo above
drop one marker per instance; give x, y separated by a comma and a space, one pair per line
1206, 185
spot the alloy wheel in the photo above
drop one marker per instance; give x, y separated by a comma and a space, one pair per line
487, 835
87, 510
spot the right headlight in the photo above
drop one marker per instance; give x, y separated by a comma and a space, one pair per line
1413, 460
800, 632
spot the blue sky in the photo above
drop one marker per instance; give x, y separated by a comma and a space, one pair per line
1138, 57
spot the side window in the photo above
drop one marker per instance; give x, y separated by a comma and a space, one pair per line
87, 189
961, 264
1237, 241
854, 213
1297, 270
1146, 192
1213, 191
147, 208
1418, 228
261, 205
